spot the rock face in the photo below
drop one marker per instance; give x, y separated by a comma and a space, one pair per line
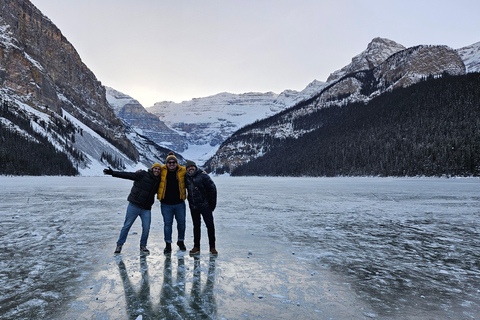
401, 69
378, 50
385, 65
144, 122
41, 66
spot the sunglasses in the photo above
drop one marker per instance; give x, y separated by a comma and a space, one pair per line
171, 162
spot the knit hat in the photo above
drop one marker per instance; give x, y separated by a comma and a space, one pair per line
156, 165
171, 156
190, 163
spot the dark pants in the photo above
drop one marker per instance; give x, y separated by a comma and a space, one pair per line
207, 215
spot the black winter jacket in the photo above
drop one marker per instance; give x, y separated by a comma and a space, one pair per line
144, 188
202, 192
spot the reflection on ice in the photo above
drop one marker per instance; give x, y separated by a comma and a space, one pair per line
202, 301
138, 302
174, 302
306, 248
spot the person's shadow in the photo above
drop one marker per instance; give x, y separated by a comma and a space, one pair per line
172, 295
173, 301
202, 302
138, 302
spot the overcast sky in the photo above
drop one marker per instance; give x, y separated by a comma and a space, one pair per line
176, 50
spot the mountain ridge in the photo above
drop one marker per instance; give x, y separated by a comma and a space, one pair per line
45, 82
47, 88
401, 69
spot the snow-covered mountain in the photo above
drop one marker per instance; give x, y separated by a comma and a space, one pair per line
471, 57
50, 98
377, 52
200, 125
207, 122
147, 125
383, 66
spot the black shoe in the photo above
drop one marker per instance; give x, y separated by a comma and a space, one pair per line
118, 250
168, 248
144, 250
181, 245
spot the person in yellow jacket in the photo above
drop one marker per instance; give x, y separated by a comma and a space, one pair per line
172, 195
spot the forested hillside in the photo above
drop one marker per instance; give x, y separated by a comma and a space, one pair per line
428, 129
23, 151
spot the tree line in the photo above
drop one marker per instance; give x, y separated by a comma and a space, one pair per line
31, 153
431, 128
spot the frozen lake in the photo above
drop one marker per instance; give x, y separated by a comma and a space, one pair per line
289, 248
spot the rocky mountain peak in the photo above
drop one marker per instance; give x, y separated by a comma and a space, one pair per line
44, 82
378, 50
411, 65
44, 69
385, 65
146, 123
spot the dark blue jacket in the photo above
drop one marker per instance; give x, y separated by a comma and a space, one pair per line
202, 192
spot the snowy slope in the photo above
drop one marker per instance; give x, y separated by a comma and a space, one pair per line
471, 57
144, 123
378, 50
207, 122
86, 141
93, 145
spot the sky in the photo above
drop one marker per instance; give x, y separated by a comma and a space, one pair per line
170, 50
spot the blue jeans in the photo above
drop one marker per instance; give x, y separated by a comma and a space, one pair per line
133, 211
169, 211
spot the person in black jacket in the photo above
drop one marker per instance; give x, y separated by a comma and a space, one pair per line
140, 201
202, 200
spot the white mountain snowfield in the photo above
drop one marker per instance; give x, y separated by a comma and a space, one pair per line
207, 122
471, 57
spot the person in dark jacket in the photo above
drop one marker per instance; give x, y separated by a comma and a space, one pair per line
140, 201
202, 200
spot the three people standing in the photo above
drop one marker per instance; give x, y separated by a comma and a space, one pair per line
170, 183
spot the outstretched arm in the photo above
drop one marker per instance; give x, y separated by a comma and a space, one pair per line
123, 175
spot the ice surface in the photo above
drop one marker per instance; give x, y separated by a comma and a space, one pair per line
289, 248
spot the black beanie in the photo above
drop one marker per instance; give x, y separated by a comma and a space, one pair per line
190, 163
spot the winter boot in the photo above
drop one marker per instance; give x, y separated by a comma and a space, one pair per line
195, 250
118, 250
213, 251
144, 250
181, 245
168, 248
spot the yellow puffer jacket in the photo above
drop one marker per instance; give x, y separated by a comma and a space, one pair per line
181, 171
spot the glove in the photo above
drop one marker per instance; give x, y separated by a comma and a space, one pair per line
108, 171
